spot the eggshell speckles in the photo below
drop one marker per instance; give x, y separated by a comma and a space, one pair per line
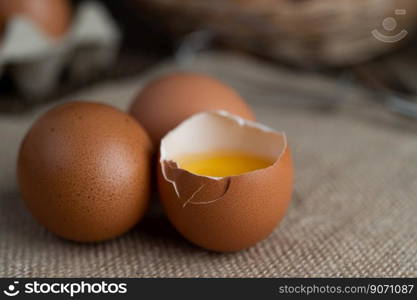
167, 101
225, 213
53, 17
83, 171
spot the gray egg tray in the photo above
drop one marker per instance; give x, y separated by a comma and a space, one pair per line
37, 62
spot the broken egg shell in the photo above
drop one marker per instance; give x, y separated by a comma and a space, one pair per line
225, 213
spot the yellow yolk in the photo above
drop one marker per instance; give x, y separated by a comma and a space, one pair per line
222, 163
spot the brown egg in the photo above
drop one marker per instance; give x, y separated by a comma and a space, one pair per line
83, 171
225, 212
53, 17
167, 101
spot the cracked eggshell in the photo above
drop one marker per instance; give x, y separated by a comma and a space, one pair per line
168, 100
225, 213
83, 171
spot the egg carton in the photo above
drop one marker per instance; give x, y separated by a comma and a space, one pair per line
37, 62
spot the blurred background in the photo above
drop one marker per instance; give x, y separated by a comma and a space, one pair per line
366, 43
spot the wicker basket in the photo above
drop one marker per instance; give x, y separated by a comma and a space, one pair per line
307, 32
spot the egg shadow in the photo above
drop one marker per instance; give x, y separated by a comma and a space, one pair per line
157, 230
154, 229
157, 227
17, 220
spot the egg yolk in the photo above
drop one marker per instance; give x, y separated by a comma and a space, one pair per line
222, 163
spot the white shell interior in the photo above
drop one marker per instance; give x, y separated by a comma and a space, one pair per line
220, 130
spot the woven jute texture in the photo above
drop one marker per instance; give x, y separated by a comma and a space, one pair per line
353, 212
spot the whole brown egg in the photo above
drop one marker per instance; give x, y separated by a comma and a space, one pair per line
83, 171
53, 17
170, 99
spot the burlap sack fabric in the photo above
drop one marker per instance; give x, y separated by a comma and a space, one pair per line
353, 211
